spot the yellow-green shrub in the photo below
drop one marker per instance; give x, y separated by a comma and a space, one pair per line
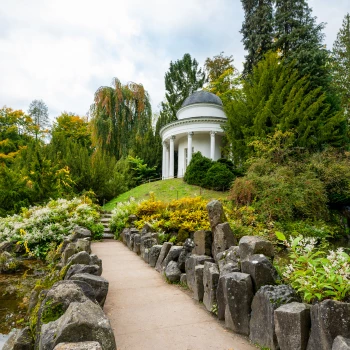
189, 214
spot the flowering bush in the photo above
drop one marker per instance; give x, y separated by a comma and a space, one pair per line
35, 228
120, 215
315, 273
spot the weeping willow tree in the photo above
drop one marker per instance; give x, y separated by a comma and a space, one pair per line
121, 116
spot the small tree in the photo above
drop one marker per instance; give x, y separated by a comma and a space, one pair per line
39, 113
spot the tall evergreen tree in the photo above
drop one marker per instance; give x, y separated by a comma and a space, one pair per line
275, 98
257, 30
183, 78
299, 38
341, 64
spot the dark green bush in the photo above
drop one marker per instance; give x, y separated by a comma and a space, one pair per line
219, 177
197, 169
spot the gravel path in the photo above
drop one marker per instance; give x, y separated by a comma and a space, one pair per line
149, 314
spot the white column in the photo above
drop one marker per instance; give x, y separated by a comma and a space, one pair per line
212, 144
189, 147
171, 166
164, 161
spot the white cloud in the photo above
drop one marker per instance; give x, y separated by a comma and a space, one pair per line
62, 51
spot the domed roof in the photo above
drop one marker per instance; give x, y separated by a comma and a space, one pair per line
202, 97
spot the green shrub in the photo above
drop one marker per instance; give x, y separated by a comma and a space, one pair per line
219, 177
285, 193
197, 169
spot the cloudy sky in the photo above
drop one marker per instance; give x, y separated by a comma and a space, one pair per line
62, 51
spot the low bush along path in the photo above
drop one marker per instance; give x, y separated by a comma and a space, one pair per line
148, 313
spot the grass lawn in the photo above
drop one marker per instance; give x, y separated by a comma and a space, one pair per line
166, 190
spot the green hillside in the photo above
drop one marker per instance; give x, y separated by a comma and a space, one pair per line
165, 190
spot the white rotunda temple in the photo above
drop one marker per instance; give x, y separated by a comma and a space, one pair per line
198, 129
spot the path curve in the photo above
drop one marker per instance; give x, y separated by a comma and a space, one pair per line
149, 314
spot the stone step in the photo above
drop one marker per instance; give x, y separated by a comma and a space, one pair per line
108, 236
105, 224
107, 230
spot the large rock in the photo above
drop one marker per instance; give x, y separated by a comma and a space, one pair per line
137, 244
191, 264
173, 255
145, 255
220, 297
172, 272
147, 228
87, 290
185, 254
292, 325
163, 253
131, 241
183, 279
20, 339
82, 232
260, 268
68, 252
86, 345
97, 283
223, 238
203, 241
83, 245
147, 242
229, 268
55, 302
250, 245
79, 268
210, 283
6, 246
265, 302
154, 254
341, 343
82, 258
238, 296
95, 260
216, 213
329, 319
124, 233
229, 256
198, 289
81, 322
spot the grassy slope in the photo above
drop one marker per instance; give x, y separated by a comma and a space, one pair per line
166, 190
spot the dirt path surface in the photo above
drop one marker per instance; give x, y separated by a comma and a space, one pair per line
147, 313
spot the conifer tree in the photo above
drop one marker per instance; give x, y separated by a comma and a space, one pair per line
299, 38
257, 30
275, 98
341, 64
